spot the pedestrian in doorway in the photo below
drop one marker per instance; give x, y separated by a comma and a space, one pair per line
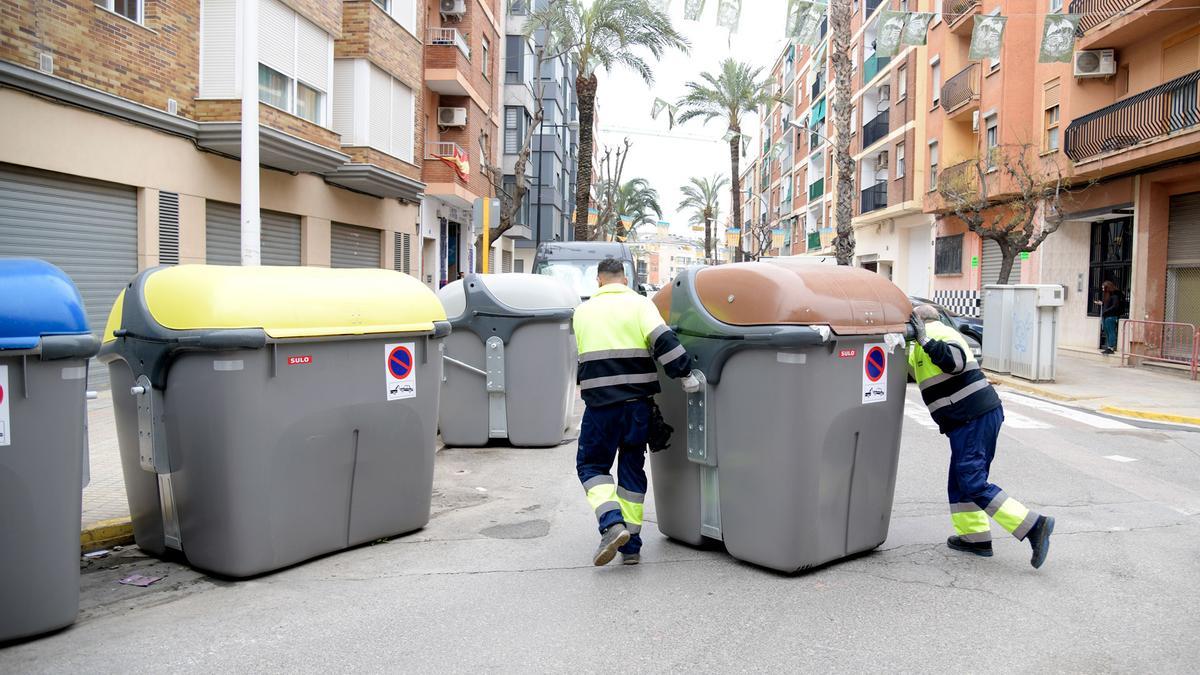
1112, 307
620, 335
968, 411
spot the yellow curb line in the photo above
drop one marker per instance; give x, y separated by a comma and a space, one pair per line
1028, 389
106, 534
1153, 416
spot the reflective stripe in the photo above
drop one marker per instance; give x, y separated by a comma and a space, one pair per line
630, 496
592, 482
640, 378
633, 528
1012, 515
614, 354
631, 512
603, 497
976, 537
1026, 525
964, 507
970, 522
672, 355
956, 353
656, 333
994, 505
938, 379
978, 385
605, 508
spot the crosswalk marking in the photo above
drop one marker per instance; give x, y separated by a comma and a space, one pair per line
919, 414
1089, 419
1120, 458
1016, 420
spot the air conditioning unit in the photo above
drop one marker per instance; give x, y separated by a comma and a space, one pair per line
882, 162
975, 120
454, 7
1095, 63
452, 117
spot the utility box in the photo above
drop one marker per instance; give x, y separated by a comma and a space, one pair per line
45, 345
997, 328
1035, 330
788, 453
510, 360
267, 415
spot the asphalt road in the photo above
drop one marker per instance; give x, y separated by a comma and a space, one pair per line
501, 581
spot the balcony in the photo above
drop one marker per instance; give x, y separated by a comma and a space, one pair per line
957, 15
818, 86
960, 94
876, 129
1153, 116
958, 179
873, 65
1117, 24
871, 6
815, 190
448, 62
874, 197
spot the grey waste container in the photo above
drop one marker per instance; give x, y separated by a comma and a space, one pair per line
788, 453
510, 360
44, 349
267, 415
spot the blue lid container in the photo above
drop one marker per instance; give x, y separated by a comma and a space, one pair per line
39, 304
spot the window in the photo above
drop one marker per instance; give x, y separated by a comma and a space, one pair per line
274, 88
933, 165
1052, 128
403, 11
372, 109
994, 64
993, 141
935, 83
947, 254
901, 83
937, 13
516, 121
1111, 260
519, 8
130, 9
485, 60
294, 57
1056, 5
899, 160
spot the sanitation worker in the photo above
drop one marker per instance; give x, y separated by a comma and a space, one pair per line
620, 336
968, 411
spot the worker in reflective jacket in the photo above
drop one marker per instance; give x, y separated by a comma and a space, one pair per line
620, 336
968, 411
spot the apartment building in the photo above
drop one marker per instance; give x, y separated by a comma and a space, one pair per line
1123, 118
121, 135
462, 104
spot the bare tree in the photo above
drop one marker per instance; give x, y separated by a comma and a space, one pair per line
839, 38
608, 190
760, 236
1000, 195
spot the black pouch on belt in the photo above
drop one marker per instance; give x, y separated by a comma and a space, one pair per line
659, 437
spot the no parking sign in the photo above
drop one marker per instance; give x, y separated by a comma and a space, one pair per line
874, 380
400, 368
5, 421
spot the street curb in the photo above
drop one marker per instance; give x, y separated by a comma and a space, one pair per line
106, 534
1030, 389
1152, 416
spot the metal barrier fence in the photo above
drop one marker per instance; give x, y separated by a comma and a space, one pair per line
1163, 341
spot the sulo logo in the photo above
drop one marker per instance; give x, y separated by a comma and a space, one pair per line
299, 360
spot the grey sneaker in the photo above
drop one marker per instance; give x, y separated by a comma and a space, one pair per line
613, 538
1039, 540
631, 558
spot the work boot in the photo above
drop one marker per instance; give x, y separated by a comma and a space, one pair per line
979, 548
1039, 540
631, 558
612, 539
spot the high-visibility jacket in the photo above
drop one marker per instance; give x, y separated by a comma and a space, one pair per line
953, 387
620, 334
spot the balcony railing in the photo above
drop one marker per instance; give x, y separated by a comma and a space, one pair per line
816, 189
961, 89
1168, 108
958, 178
873, 65
953, 10
874, 197
449, 37
1096, 12
814, 241
818, 86
875, 129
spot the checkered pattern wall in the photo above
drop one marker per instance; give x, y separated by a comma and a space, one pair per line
967, 303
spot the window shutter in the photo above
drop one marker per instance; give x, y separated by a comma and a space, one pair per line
403, 251
343, 101
168, 228
379, 135
405, 13
511, 127
314, 50
277, 37
218, 38
402, 121
1051, 95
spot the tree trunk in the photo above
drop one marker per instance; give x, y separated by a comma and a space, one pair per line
585, 87
1008, 257
735, 186
839, 31
708, 241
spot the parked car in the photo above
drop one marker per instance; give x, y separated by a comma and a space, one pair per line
970, 327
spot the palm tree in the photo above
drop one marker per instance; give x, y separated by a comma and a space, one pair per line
737, 90
603, 34
701, 196
636, 204
840, 12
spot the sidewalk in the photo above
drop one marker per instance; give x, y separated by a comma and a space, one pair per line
1103, 385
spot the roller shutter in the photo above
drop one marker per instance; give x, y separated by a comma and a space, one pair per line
280, 242
89, 229
990, 264
354, 246
1183, 259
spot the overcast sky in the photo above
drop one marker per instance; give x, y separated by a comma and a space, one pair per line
668, 158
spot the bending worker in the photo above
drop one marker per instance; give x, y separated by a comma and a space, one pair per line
620, 335
968, 411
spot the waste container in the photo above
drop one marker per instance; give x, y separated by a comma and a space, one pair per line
1035, 330
510, 360
267, 415
788, 452
997, 328
44, 349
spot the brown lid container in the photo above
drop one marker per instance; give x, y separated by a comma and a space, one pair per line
850, 300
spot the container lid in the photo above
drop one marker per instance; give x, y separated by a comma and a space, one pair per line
850, 300
38, 300
284, 302
525, 292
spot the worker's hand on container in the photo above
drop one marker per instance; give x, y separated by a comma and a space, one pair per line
917, 328
691, 384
